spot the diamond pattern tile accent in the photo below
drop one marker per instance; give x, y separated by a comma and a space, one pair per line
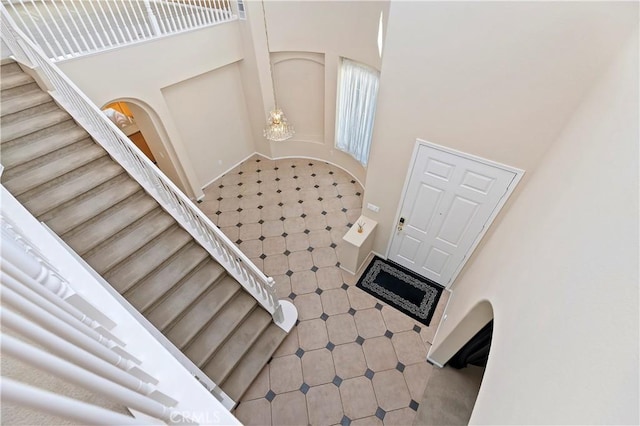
238, 225
336, 196
284, 234
270, 395
337, 381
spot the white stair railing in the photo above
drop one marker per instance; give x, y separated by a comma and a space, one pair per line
170, 197
69, 28
86, 339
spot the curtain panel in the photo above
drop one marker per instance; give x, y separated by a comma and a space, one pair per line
357, 95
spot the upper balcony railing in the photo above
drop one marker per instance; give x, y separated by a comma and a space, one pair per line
69, 28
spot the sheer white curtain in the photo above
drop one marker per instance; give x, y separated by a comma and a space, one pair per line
357, 94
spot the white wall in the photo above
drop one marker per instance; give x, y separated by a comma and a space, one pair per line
323, 31
494, 79
561, 273
141, 71
210, 114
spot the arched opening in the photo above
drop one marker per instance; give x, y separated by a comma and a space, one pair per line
451, 391
142, 125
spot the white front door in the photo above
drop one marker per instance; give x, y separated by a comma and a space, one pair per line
448, 201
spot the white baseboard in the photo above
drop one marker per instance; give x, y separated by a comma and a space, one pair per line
227, 171
277, 158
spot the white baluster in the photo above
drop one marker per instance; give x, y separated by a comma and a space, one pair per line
60, 52
133, 32
72, 310
69, 50
90, 34
61, 324
66, 350
34, 268
86, 379
69, 16
140, 15
62, 406
124, 25
25, 27
100, 24
106, 19
78, 49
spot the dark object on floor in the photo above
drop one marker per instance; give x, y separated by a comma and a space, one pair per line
406, 291
475, 351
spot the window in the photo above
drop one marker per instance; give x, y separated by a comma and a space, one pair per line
357, 94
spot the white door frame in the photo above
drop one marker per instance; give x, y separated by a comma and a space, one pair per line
519, 173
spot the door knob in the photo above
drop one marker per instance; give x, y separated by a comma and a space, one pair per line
400, 224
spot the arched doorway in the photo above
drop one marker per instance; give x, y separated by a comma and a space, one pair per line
142, 125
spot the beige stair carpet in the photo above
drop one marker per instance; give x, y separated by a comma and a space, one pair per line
54, 168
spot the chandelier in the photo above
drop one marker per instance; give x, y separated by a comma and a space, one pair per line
277, 128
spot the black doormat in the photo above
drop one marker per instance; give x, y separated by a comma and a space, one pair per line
405, 290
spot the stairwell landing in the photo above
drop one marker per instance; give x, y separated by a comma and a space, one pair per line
66, 180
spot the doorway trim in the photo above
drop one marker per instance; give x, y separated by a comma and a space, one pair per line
519, 173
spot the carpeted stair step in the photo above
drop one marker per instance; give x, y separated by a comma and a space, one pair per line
69, 186
127, 273
29, 113
33, 124
16, 154
43, 169
30, 99
237, 383
200, 280
12, 78
237, 344
111, 221
163, 279
90, 204
69, 182
126, 242
200, 313
214, 334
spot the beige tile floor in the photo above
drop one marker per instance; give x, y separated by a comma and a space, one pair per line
351, 359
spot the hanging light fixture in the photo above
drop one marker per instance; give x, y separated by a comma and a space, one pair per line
277, 128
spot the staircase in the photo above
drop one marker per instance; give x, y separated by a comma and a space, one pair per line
66, 180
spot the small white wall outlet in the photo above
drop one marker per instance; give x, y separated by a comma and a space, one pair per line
373, 207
